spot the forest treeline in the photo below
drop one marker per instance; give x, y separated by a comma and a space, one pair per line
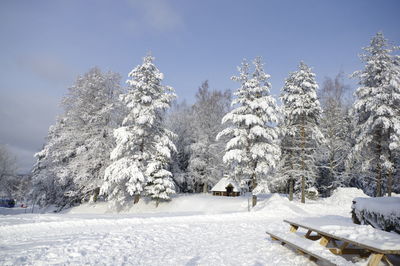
121, 143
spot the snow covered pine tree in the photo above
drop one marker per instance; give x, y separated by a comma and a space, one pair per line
253, 149
377, 112
302, 111
141, 157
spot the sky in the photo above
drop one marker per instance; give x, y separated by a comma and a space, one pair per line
45, 45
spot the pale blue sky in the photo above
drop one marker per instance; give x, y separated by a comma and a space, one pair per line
46, 44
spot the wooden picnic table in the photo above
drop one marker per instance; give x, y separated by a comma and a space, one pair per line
365, 239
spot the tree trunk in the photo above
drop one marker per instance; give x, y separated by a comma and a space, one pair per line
254, 177
291, 181
253, 186
390, 175
303, 178
96, 193
205, 188
303, 188
331, 171
379, 181
136, 199
389, 182
254, 200
291, 189
253, 183
157, 202
378, 166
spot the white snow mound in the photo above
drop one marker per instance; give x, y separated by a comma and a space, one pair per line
188, 204
278, 205
344, 196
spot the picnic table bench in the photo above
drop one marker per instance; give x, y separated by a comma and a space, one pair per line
340, 234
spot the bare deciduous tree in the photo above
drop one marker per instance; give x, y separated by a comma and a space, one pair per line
8, 168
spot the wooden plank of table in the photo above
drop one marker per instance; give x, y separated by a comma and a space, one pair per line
302, 245
350, 241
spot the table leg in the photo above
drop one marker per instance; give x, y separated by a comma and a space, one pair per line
293, 228
385, 258
324, 240
339, 250
375, 259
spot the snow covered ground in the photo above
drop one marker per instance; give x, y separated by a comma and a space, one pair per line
190, 230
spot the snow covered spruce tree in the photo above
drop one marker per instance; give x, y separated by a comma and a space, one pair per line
205, 162
377, 113
301, 133
141, 157
252, 150
70, 167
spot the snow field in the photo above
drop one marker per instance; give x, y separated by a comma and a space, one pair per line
170, 235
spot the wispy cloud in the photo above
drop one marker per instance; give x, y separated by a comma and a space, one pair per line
48, 67
158, 15
25, 118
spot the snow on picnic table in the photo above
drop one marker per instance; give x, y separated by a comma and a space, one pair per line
344, 228
172, 235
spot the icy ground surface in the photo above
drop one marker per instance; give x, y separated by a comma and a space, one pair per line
191, 230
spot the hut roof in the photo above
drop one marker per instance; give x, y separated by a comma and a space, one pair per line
224, 182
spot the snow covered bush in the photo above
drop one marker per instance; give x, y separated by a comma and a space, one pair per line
382, 212
312, 193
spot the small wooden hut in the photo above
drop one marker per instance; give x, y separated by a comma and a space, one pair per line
226, 187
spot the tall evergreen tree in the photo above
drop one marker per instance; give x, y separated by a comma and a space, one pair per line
302, 112
140, 159
376, 111
252, 151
